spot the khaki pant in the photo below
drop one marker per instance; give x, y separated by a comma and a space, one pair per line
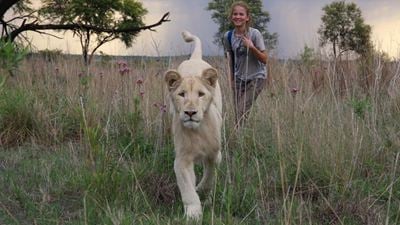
245, 94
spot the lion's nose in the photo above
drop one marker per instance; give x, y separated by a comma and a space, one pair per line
190, 113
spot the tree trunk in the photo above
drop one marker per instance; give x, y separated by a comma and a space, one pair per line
334, 49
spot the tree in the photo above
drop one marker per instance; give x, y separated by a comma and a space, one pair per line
307, 57
343, 26
101, 13
220, 15
104, 20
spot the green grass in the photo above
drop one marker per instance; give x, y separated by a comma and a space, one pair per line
94, 147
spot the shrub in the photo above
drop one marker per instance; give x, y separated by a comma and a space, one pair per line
10, 58
17, 119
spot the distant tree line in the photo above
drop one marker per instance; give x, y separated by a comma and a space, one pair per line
98, 22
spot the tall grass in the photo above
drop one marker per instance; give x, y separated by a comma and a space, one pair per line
93, 145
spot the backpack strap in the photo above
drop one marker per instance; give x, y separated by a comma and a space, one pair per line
230, 38
232, 57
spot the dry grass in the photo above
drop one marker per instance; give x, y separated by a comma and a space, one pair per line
321, 145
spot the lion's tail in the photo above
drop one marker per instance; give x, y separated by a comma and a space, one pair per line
188, 37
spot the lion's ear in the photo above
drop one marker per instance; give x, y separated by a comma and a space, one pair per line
211, 76
172, 78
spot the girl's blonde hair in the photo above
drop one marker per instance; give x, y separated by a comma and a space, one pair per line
245, 6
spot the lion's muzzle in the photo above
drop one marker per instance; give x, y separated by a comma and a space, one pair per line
190, 113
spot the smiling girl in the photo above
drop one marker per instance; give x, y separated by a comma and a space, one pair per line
245, 46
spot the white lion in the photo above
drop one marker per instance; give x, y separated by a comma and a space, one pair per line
196, 107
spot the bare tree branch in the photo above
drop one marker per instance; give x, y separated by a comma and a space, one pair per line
74, 26
49, 34
28, 16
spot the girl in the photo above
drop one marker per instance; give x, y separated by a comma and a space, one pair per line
246, 50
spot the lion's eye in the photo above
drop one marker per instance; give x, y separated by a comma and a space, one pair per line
182, 94
201, 94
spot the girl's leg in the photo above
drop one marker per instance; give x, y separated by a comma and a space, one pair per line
247, 93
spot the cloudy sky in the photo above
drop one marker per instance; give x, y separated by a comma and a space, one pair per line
295, 21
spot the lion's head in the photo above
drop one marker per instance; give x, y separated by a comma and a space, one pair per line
191, 96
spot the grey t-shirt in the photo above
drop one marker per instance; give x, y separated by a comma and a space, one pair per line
247, 66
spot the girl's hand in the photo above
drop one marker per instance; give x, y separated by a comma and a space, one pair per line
260, 55
247, 42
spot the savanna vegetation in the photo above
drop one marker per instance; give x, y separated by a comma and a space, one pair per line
92, 144
94, 147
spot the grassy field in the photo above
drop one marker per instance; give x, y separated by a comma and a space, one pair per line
93, 146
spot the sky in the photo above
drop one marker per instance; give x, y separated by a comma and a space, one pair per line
295, 21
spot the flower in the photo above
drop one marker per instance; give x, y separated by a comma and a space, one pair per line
294, 91
123, 67
139, 81
161, 107
123, 70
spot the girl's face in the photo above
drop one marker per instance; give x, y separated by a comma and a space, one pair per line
239, 16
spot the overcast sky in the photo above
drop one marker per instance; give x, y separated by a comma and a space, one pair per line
295, 21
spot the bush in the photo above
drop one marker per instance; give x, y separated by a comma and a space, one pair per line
10, 57
17, 120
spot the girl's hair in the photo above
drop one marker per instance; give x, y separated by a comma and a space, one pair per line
245, 6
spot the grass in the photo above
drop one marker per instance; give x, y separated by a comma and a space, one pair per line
93, 146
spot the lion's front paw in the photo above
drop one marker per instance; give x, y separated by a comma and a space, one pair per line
193, 211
